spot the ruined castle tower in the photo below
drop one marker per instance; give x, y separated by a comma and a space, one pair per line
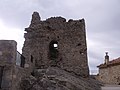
58, 43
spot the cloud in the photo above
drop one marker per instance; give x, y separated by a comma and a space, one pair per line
16, 34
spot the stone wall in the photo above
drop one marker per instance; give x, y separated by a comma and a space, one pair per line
110, 75
7, 62
70, 37
10, 73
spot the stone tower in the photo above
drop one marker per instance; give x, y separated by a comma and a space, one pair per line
58, 43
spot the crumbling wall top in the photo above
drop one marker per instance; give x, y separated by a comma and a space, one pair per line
35, 18
56, 19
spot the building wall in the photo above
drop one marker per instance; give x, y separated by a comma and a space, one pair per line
70, 37
7, 62
10, 73
110, 75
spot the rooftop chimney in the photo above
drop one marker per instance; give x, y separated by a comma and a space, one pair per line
106, 58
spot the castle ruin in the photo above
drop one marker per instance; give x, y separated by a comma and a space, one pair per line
56, 42
54, 57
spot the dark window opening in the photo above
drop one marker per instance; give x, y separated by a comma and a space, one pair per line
22, 61
31, 59
1, 74
32, 73
79, 44
57, 36
53, 50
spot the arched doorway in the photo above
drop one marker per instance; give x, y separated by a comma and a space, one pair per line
53, 50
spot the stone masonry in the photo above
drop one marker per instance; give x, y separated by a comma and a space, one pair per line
109, 71
58, 43
110, 75
7, 62
10, 72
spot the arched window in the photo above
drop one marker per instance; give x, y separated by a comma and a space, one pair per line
53, 50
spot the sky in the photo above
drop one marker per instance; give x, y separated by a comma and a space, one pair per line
102, 18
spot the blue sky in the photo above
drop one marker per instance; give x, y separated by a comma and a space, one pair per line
102, 19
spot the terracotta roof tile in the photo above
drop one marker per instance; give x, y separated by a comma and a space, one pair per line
110, 63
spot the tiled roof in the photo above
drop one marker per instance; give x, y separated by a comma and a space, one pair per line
114, 62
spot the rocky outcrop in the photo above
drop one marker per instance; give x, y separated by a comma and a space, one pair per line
54, 78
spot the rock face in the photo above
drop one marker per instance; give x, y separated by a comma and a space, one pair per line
56, 42
54, 78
